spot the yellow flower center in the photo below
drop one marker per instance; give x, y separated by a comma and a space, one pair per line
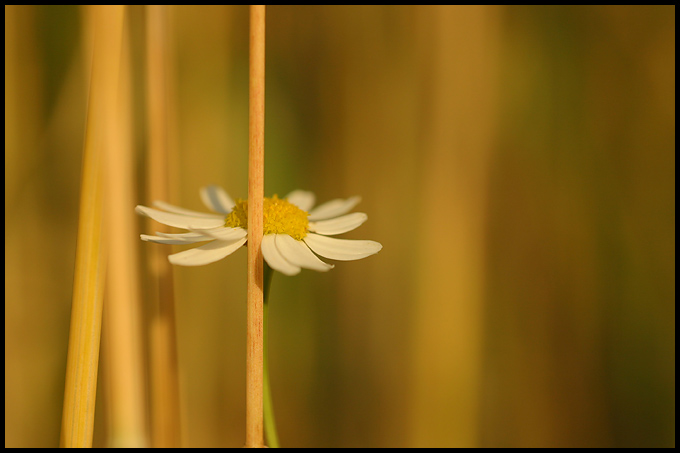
280, 217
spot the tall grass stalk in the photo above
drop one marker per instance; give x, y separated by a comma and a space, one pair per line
255, 314
122, 342
85, 332
165, 400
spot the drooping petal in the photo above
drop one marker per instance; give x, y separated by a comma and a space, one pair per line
179, 220
302, 199
338, 225
274, 258
341, 249
180, 240
177, 210
188, 236
333, 208
221, 233
215, 198
299, 254
206, 254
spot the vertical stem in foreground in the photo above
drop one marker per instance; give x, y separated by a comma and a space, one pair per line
255, 339
165, 406
77, 425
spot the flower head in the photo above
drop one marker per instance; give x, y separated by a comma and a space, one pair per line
292, 230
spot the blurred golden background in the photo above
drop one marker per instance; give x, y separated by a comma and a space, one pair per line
516, 163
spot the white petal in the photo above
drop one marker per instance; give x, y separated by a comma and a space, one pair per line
177, 210
215, 198
299, 254
167, 240
341, 249
274, 258
338, 225
189, 237
302, 199
333, 208
179, 220
206, 254
222, 233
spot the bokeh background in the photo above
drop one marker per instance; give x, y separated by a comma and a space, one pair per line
516, 163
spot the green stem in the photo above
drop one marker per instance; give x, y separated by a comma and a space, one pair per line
272, 439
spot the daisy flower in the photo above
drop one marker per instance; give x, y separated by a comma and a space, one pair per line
293, 231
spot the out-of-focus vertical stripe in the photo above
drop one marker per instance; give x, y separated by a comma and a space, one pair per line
165, 398
27, 352
458, 137
122, 342
88, 286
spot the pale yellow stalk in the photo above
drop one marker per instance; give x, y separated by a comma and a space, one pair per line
165, 401
255, 314
85, 332
122, 344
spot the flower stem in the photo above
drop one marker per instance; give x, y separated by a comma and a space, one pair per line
269, 422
